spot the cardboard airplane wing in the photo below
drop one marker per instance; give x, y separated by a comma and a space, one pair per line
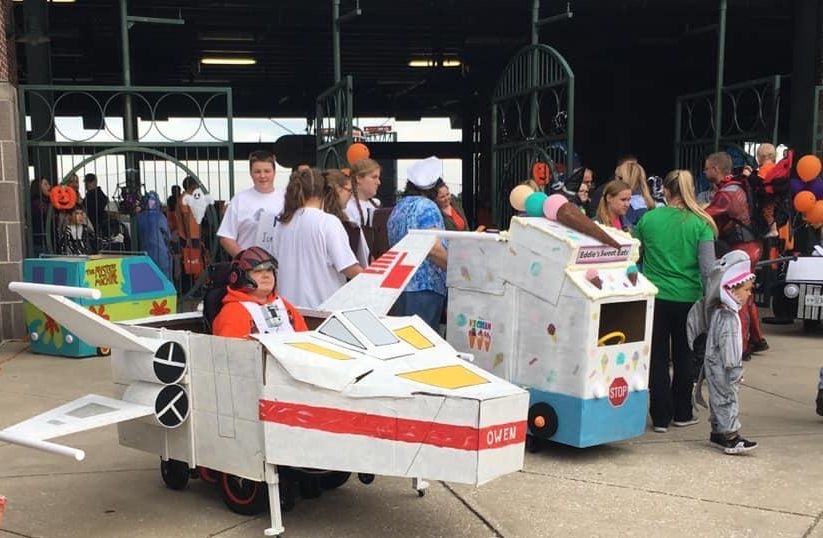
87, 325
86, 413
382, 282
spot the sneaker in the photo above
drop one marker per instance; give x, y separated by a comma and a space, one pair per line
683, 423
820, 402
747, 356
757, 347
735, 445
660, 429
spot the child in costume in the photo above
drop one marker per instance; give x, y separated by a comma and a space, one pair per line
728, 288
251, 304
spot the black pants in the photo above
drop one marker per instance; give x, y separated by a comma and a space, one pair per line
670, 398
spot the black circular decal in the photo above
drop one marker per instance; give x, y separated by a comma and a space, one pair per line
170, 362
172, 406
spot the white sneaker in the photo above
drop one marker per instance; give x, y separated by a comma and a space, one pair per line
660, 429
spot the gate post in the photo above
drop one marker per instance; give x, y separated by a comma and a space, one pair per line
12, 198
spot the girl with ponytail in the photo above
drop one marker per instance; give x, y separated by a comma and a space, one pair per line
678, 253
365, 175
310, 244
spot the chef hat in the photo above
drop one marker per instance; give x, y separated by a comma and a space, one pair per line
424, 173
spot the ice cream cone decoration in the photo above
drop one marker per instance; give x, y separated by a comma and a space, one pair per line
631, 274
604, 363
487, 341
2, 509
552, 331
472, 338
594, 278
559, 209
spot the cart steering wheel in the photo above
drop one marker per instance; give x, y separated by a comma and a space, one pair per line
620, 336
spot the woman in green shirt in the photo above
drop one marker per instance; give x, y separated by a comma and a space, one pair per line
678, 251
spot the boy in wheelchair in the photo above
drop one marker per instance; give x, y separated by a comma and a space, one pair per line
243, 299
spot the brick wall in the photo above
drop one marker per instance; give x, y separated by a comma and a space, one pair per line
12, 184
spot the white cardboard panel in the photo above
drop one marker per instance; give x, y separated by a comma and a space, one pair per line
474, 264
241, 455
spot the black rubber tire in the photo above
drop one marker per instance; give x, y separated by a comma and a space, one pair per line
310, 487
549, 414
365, 478
533, 444
243, 496
810, 325
175, 474
334, 479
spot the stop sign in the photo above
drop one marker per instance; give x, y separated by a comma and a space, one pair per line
618, 392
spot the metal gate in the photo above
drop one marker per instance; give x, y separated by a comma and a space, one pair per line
532, 120
750, 114
334, 124
83, 129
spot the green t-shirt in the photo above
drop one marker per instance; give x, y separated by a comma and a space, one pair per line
670, 255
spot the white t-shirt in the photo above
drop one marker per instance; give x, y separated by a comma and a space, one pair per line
311, 250
250, 218
368, 211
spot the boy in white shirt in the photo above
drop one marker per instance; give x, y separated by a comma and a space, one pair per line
252, 214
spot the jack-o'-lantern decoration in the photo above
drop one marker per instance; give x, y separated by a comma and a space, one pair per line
63, 197
541, 173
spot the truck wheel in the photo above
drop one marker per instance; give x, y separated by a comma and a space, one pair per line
542, 420
175, 473
533, 444
243, 496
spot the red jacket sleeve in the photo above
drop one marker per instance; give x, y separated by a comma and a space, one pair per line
719, 205
233, 320
298, 323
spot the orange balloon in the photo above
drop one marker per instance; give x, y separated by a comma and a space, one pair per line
357, 152
804, 201
815, 214
808, 167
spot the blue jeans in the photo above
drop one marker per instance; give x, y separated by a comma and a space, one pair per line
426, 304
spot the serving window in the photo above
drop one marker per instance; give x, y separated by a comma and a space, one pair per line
621, 323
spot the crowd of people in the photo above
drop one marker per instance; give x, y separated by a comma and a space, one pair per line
299, 246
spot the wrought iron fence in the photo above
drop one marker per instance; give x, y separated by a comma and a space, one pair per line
532, 119
122, 135
334, 124
750, 113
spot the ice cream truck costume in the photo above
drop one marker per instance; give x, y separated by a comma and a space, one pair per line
563, 315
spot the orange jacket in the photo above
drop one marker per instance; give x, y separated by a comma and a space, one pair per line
235, 321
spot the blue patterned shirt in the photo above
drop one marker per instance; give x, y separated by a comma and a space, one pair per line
418, 213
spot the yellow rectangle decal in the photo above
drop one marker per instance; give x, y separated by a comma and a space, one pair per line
320, 350
413, 337
446, 377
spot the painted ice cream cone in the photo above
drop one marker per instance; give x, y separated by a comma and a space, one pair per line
2, 509
557, 208
472, 338
631, 273
594, 278
487, 342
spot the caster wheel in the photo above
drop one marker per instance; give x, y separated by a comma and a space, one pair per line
365, 478
809, 325
288, 496
533, 444
310, 487
421, 492
175, 473
333, 479
103, 351
243, 496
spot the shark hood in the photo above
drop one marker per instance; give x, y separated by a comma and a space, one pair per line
731, 270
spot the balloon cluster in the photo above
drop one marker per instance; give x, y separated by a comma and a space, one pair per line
807, 189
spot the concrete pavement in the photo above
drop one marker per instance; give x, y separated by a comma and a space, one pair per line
670, 484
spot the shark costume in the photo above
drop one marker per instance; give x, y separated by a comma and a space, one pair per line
715, 321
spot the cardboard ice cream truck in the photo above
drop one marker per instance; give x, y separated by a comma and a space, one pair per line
562, 314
